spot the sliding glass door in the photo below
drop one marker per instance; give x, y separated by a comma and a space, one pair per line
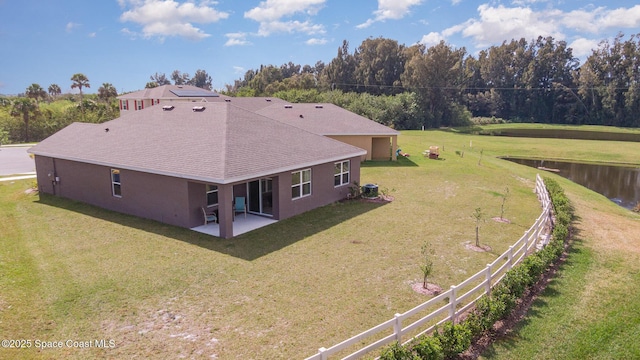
261, 196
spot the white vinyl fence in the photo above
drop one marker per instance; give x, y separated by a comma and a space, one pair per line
460, 298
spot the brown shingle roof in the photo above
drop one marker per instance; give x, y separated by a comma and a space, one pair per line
325, 119
222, 144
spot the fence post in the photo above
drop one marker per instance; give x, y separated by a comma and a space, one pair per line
510, 255
487, 287
323, 355
452, 304
397, 327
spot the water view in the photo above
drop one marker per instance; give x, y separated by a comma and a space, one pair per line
620, 184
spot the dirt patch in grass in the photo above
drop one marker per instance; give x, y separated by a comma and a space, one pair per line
501, 220
481, 248
432, 289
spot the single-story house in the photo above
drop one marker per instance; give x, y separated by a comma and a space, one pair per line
169, 161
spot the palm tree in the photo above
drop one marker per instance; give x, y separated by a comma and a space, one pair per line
35, 91
54, 90
80, 81
106, 92
24, 107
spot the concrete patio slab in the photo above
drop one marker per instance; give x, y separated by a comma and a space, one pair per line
241, 225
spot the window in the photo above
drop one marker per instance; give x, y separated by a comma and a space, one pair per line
212, 195
125, 104
300, 183
139, 105
116, 189
341, 173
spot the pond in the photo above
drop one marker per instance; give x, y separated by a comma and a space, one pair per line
620, 184
564, 134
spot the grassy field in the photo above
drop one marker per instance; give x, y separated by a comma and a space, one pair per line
69, 271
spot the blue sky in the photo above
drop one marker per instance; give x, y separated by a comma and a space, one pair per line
123, 42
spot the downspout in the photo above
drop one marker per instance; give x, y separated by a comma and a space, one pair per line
54, 180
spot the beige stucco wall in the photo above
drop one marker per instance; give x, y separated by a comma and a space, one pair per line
377, 147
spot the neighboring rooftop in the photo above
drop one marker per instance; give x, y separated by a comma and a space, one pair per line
167, 92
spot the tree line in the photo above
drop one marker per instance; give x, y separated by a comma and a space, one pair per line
522, 81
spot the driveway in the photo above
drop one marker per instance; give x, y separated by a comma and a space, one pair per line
14, 160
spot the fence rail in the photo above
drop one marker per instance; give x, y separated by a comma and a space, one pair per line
480, 284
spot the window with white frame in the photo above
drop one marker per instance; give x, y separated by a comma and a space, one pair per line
341, 173
116, 188
300, 183
139, 105
212, 195
125, 104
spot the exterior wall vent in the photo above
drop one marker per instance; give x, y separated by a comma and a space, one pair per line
198, 108
288, 106
319, 106
268, 100
168, 108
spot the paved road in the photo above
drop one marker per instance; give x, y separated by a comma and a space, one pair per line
15, 160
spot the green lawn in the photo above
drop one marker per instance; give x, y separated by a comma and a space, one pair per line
70, 271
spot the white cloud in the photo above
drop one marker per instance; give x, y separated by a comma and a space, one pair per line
237, 39
238, 70
390, 9
582, 47
270, 13
71, 26
497, 24
273, 10
315, 41
167, 18
432, 38
92, 35
306, 27
620, 18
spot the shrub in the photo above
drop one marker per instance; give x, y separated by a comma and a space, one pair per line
454, 339
489, 310
535, 266
398, 352
516, 281
474, 323
429, 348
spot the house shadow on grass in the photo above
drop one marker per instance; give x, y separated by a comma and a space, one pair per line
248, 246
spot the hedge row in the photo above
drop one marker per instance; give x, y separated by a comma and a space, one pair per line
452, 339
